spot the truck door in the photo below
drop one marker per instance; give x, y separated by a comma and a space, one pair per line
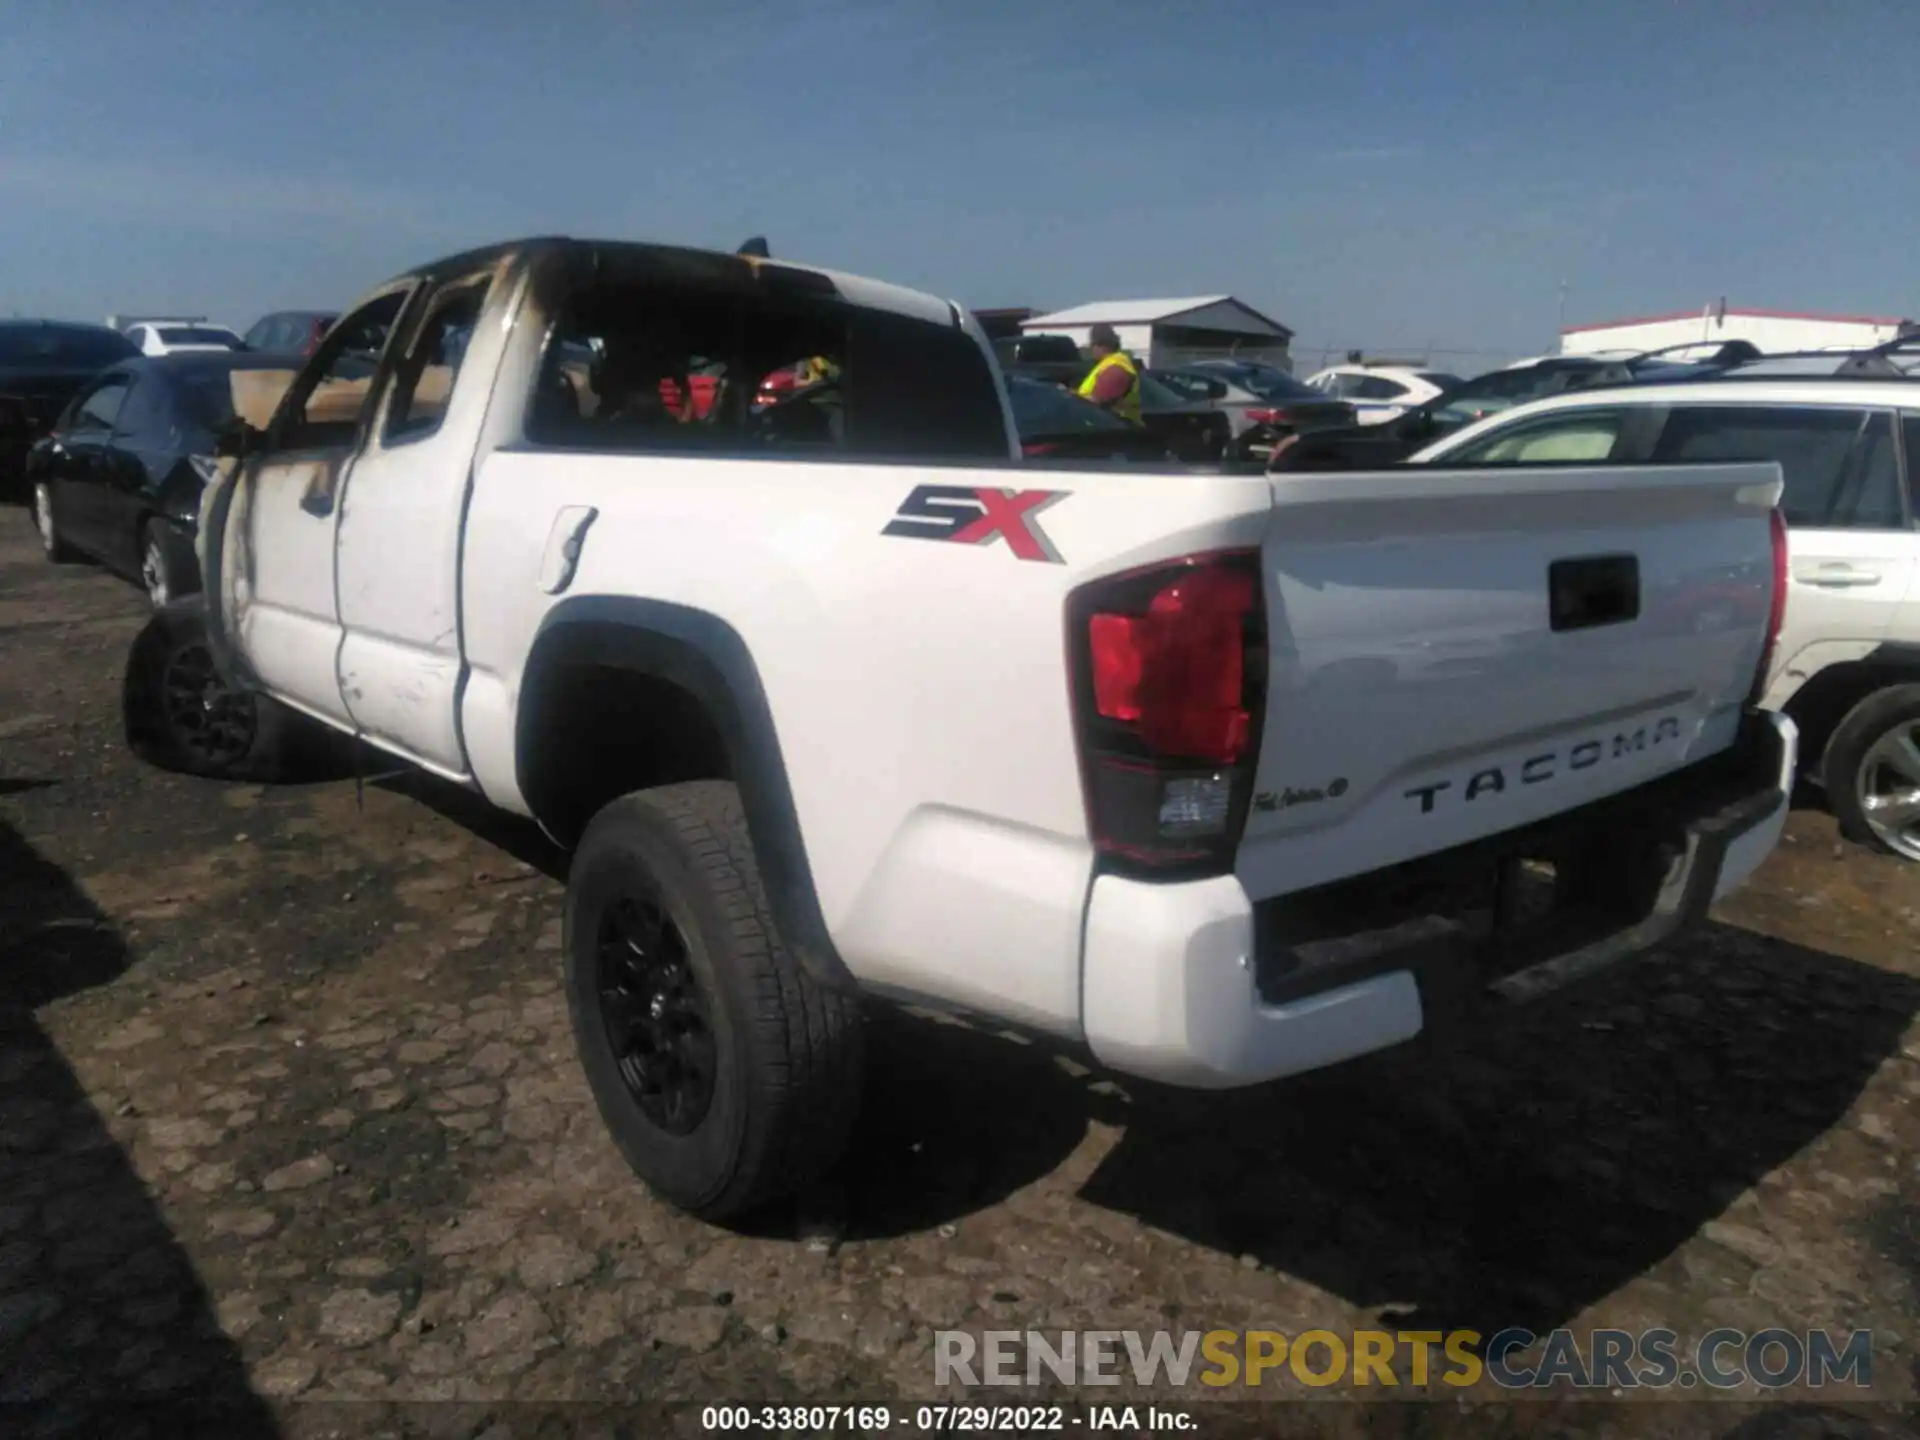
400, 523
278, 587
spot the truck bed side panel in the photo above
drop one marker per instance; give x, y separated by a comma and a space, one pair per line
918, 687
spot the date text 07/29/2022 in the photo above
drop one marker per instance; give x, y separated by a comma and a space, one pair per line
943, 1418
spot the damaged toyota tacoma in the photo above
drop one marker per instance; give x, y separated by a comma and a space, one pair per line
1219, 777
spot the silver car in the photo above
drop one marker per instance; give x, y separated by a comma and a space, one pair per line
1252, 395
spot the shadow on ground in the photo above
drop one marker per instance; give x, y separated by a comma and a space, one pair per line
1513, 1181
103, 1323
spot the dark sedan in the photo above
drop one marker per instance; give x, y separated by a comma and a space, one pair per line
119, 479
42, 364
1056, 424
289, 332
1190, 429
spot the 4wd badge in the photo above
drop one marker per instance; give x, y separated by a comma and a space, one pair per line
977, 515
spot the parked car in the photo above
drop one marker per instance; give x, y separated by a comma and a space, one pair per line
1056, 424
1369, 446
290, 332
1262, 405
1380, 393
119, 479
158, 337
1847, 664
1043, 357
42, 364
1196, 431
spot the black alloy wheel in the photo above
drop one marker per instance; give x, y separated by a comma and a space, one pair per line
213, 724
658, 1022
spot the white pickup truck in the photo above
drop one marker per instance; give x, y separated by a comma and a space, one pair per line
1221, 777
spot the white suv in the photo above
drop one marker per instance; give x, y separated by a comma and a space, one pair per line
1847, 666
1382, 392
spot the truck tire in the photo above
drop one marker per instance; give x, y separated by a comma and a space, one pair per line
728, 1077
180, 715
1870, 761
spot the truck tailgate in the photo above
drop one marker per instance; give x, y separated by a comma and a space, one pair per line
1455, 653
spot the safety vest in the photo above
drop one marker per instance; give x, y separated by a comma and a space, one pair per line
1127, 407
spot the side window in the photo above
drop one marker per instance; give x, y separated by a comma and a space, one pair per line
1378, 387
1869, 496
1910, 443
1813, 445
1571, 435
324, 407
424, 382
101, 406
143, 413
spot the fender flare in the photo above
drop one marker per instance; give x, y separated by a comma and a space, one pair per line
705, 656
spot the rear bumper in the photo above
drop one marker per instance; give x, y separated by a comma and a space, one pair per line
1193, 984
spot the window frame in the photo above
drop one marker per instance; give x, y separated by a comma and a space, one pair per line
403, 375
285, 434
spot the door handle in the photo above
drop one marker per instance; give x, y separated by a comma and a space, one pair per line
1837, 577
317, 499
564, 542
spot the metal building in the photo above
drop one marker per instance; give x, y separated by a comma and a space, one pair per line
1173, 332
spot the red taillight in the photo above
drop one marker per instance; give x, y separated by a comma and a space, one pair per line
1170, 687
1265, 417
1777, 612
1038, 447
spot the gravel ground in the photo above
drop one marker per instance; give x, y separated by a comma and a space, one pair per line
289, 1116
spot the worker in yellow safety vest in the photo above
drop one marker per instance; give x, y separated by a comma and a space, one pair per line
1114, 383
815, 370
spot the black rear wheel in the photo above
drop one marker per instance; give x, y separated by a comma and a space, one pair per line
728, 1077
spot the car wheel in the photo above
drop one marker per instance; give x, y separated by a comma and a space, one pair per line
57, 550
728, 1076
168, 569
1871, 772
180, 714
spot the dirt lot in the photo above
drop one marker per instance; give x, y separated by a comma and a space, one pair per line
288, 1114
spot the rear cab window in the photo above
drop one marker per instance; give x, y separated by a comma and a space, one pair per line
696, 356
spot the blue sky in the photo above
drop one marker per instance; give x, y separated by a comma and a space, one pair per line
1382, 173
